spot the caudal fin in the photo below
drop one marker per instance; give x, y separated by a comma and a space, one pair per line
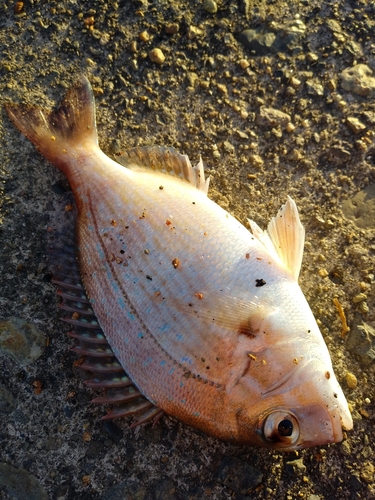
56, 132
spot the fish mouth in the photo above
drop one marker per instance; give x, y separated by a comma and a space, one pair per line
319, 426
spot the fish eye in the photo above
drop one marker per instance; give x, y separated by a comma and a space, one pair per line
281, 427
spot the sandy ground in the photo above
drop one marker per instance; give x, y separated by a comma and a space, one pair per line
211, 97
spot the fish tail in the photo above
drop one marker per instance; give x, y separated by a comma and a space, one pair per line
57, 132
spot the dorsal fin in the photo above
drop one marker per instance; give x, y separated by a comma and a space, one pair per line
284, 237
166, 160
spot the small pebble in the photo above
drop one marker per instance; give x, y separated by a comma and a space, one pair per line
193, 32
355, 125
367, 472
351, 380
156, 56
145, 36
18, 7
210, 6
363, 307
172, 28
244, 63
256, 161
345, 448
222, 87
294, 82
359, 298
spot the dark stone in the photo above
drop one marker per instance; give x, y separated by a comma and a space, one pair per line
21, 340
275, 37
125, 490
355, 483
20, 484
260, 42
94, 449
69, 411
165, 490
7, 402
339, 153
239, 476
244, 6
361, 341
113, 430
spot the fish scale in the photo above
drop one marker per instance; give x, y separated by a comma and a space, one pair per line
206, 318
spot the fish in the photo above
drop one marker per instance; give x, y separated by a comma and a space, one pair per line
204, 318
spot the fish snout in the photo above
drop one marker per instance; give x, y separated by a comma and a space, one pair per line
318, 425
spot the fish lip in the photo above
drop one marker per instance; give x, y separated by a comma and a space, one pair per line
336, 427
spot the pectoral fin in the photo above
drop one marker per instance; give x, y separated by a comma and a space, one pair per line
284, 238
231, 309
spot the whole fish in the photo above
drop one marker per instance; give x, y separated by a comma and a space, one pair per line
207, 319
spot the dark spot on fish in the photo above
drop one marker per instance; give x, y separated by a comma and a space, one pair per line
335, 395
175, 262
122, 251
146, 251
187, 374
193, 202
126, 227
161, 188
148, 277
244, 329
247, 256
260, 282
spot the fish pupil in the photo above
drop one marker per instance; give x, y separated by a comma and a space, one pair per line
285, 428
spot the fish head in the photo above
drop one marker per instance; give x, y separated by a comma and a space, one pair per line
294, 400
303, 407
291, 427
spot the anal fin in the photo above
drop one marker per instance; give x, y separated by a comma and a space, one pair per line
98, 366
